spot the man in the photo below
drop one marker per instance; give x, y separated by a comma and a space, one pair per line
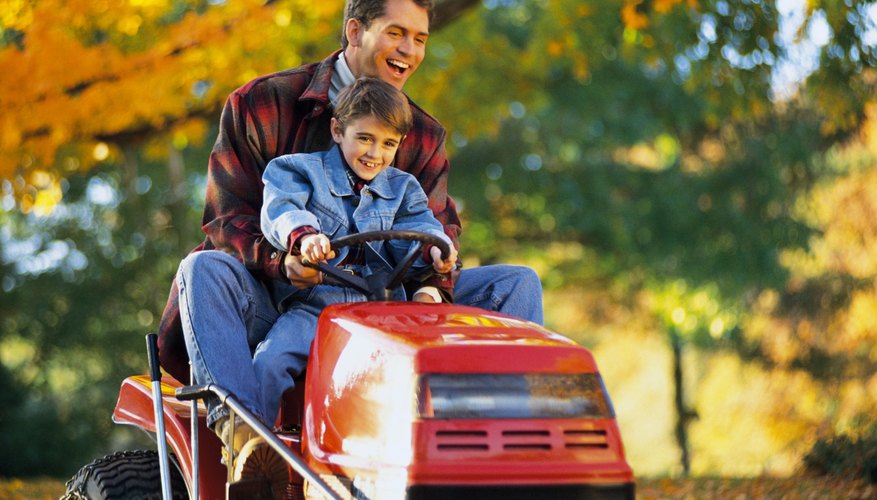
224, 302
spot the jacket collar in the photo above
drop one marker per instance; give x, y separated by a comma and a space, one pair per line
339, 184
318, 89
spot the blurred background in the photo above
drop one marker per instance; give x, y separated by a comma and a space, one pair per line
693, 180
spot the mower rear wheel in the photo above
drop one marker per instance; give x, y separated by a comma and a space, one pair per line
124, 475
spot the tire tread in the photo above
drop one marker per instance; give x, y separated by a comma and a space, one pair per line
131, 474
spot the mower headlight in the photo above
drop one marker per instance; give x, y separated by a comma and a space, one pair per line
540, 395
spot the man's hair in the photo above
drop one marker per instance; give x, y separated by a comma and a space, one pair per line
367, 11
374, 97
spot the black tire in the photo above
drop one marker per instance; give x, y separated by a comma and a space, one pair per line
124, 475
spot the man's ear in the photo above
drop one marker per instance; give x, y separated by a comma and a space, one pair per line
353, 30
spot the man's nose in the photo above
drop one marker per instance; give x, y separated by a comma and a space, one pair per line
406, 46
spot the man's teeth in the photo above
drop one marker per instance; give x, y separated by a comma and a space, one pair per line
399, 64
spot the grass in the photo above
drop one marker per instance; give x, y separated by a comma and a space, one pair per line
762, 488
31, 488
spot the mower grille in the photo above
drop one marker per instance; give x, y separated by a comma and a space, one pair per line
557, 492
515, 439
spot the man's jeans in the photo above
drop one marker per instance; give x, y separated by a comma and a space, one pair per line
227, 314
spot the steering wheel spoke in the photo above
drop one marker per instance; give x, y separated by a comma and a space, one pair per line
380, 285
343, 278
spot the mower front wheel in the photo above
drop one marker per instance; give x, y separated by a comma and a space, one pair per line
123, 475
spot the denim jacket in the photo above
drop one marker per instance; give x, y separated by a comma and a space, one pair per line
312, 189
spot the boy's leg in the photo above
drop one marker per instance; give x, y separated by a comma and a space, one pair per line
283, 354
512, 290
224, 312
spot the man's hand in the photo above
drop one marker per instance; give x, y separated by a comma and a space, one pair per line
443, 266
300, 275
314, 248
424, 297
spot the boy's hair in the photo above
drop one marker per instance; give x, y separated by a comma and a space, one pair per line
374, 97
367, 11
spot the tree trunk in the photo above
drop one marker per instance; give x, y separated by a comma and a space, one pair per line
683, 414
177, 203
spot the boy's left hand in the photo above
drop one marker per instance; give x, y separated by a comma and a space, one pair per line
316, 248
446, 265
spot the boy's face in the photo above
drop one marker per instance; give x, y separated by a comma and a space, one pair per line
367, 144
394, 44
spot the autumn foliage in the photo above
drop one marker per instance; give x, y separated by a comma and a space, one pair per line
84, 78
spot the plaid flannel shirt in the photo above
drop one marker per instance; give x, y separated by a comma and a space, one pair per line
273, 115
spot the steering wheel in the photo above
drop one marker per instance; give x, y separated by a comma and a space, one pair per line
379, 285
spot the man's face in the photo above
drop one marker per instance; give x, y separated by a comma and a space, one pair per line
393, 46
367, 144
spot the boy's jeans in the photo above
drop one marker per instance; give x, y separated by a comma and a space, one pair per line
226, 315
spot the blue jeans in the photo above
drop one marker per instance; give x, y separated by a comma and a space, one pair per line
229, 316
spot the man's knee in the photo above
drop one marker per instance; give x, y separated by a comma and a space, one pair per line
520, 277
528, 276
208, 265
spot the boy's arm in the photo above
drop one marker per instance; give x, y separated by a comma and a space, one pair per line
414, 214
423, 155
284, 216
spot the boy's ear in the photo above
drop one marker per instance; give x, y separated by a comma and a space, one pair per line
336, 129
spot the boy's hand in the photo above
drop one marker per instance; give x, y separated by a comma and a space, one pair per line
443, 266
316, 248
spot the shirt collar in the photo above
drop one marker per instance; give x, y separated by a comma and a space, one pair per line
342, 77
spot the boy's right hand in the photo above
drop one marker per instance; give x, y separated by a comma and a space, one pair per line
316, 248
443, 266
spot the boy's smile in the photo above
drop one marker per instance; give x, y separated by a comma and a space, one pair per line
367, 144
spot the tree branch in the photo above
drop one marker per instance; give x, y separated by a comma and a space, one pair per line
447, 11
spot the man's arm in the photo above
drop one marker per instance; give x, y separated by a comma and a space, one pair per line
234, 191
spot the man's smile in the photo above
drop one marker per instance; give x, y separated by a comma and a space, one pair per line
397, 66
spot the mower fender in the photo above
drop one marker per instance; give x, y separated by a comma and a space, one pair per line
135, 408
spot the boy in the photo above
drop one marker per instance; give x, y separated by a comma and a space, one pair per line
351, 188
